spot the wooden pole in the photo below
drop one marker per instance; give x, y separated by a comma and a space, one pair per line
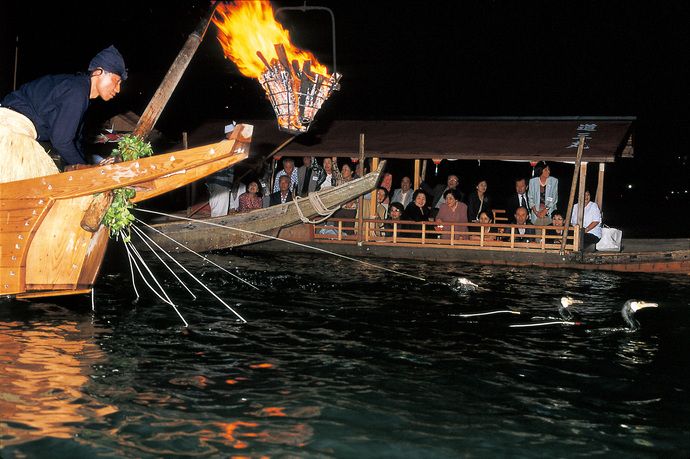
416, 174
160, 98
566, 223
374, 203
243, 175
283, 145
424, 170
600, 186
360, 203
581, 200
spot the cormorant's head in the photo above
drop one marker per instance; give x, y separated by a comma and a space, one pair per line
637, 305
568, 301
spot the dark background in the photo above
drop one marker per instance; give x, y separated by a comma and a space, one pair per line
402, 59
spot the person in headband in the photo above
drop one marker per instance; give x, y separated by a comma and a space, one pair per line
56, 104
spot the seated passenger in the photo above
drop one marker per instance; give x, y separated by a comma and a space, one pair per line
522, 218
478, 202
452, 210
403, 194
381, 212
283, 194
251, 199
290, 171
395, 211
591, 221
417, 211
490, 232
557, 224
517, 199
238, 189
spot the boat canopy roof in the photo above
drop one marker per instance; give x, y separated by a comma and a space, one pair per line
503, 139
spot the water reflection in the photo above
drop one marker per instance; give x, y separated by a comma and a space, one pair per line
46, 369
348, 363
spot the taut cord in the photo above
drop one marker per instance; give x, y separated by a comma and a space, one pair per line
318, 249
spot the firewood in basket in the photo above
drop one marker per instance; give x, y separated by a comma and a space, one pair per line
296, 70
282, 57
263, 59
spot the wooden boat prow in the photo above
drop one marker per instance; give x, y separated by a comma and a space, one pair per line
44, 251
205, 234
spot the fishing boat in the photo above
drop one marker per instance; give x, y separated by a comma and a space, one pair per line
45, 251
206, 234
571, 141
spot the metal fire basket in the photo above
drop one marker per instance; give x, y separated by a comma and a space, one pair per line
296, 95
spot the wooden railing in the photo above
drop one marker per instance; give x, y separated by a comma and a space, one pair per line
493, 236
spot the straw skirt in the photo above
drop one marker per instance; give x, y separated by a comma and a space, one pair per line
21, 156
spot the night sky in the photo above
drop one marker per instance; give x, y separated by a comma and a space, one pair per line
409, 59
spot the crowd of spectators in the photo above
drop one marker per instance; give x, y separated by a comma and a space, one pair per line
444, 206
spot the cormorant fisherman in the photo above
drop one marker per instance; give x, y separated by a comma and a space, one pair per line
56, 104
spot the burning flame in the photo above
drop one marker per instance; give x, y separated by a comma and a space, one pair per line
248, 27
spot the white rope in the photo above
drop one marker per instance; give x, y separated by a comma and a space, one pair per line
319, 207
193, 252
131, 250
484, 313
141, 234
201, 283
557, 322
317, 249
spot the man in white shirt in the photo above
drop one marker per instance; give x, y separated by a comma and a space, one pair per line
517, 199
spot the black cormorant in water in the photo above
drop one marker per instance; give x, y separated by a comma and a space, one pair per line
462, 283
630, 308
566, 314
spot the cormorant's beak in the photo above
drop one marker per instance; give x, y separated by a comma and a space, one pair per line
642, 304
571, 301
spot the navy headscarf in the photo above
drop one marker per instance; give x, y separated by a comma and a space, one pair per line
111, 61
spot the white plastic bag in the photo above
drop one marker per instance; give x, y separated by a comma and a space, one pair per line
610, 239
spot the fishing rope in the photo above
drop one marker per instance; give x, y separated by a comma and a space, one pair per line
318, 249
131, 270
131, 251
319, 207
202, 284
142, 235
134, 251
484, 313
557, 322
193, 252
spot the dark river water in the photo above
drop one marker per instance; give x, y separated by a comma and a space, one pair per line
339, 359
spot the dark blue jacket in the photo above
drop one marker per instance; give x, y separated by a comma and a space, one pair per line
56, 105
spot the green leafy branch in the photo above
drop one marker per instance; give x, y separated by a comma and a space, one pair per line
131, 147
118, 216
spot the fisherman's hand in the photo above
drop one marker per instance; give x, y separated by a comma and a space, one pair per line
75, 167
112, 159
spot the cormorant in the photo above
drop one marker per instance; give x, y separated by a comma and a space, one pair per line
563, 310
462, 283
630, 308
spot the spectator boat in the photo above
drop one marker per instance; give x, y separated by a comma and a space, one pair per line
569, 141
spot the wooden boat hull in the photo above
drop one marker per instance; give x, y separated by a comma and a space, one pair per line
44, 251
206, 234
638, 255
